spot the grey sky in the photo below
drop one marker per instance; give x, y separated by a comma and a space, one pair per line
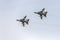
46, 29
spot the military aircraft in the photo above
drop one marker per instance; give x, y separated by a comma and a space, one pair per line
41, 13
23, 20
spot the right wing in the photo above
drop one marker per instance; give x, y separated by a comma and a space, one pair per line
41, 16
23, 24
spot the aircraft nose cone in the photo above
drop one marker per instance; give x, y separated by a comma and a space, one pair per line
20, 20
34, 12
17, 20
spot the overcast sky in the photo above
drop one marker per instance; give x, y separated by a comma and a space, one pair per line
46, 29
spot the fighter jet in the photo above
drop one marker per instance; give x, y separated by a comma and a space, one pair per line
23, 21
41, 13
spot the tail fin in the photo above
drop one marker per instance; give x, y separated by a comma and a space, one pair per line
45, 14
27, 21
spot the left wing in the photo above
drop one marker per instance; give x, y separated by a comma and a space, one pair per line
43, 9
24, 17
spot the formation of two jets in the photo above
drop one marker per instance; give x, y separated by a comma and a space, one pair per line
40, 13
